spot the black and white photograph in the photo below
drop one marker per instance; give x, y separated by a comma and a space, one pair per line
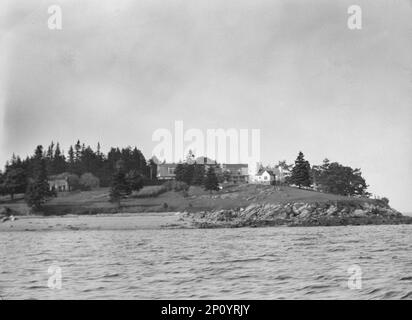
205, 150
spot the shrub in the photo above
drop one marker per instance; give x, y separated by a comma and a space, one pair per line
135, 180
89, 181
177, 186
385, 200
74, 181
151, 191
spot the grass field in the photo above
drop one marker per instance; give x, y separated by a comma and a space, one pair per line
196, 199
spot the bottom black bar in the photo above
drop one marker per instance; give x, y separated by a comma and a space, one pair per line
207, 309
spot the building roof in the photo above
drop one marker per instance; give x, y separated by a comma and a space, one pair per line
262, 171
167, 165
203, 160
60, 176
235, 168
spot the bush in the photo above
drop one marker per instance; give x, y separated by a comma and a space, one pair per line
177, 186
385, 200
151, 192
74, 181
135, 180
88, 181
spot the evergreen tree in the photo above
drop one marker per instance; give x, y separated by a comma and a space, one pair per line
58, 162
152, 169
332, 177
135, 180
184, 172
179, 170
71, 159
198, 174
38, 189
188, 170
98, 153
301, 172
120, 186
14, 181
2, 192
50, 151
211, 182
77, 151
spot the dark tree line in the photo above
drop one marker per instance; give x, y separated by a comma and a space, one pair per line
330, 177
196, 174
82, 159
14, 178
30, 175
37, 186
126, 169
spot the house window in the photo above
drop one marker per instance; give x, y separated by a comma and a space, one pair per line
171, 170
266, 177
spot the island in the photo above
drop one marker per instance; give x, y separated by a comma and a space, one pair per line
235, 205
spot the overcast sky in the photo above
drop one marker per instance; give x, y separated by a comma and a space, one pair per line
118, 70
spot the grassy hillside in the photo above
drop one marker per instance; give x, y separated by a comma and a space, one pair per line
196, 199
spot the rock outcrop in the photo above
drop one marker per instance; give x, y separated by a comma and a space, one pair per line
300, 214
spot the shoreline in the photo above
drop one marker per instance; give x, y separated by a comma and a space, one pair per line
121, 221
235, 206
156, 221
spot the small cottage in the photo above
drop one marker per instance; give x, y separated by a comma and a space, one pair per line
59, 183
263, 177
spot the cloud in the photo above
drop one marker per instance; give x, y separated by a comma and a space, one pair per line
119, 70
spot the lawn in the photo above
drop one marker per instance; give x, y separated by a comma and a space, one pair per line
150, 199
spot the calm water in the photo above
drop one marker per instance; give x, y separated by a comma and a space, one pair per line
265, 263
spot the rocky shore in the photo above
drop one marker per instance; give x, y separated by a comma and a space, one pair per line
336, 213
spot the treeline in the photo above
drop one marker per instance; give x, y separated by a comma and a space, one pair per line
80, 161
330, 177
126, 170
196, 174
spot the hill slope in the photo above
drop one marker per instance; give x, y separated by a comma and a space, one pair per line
195, 200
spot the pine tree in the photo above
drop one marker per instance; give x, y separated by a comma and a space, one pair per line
179, 170
50, 151
301, 172
98, 153
2, 191
211, 182
152, 166
77, 152
38, 189
59, 161
71, 159
14, 179
135, 180
198, 174
120, 186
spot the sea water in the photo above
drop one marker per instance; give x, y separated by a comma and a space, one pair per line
353, 262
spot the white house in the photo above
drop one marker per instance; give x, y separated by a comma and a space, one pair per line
263, 176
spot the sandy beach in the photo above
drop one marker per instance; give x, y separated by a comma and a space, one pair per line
165, 220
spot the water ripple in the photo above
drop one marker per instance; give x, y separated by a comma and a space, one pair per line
247, 263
